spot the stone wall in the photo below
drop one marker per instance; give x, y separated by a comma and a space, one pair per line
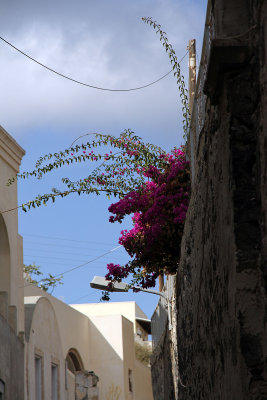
161, 368
221, 294
221, 281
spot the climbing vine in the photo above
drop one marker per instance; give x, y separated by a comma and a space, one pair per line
176, 72
149, 183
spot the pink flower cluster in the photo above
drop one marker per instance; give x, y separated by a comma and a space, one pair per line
159, 209
117, 272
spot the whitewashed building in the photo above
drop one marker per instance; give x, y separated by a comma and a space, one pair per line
48, 349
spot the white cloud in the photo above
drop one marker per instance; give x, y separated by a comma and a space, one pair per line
100, 44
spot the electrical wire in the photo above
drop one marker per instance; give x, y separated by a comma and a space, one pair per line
60, 245
86, 84
52, 257
60, 252
80, 266
65, 239
82, 297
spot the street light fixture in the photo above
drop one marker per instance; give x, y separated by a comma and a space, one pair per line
101, 283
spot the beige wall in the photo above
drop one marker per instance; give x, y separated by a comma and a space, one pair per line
104, 338
143, 382
73, 326
11, 248
43, 340
129, 359
107, 355
113, 350
129, 309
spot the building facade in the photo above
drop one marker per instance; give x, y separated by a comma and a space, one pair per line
48, 349
11, 277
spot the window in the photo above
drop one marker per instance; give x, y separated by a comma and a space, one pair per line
2, 390
54, 382
130, 380
38, 378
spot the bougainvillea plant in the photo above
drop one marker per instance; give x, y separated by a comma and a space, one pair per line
151, 185
159, 208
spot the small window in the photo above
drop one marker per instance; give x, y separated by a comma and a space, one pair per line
38, 378
54, 382
130, 380
2, 390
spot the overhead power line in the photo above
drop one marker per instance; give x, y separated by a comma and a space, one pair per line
81, 265
60, 245
82, 297
88, 262
86, 84
52, 257
65, 239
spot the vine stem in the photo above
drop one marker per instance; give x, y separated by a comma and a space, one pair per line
176, 72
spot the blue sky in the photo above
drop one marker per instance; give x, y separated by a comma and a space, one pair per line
103, 43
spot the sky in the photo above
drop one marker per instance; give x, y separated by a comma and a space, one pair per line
102, 43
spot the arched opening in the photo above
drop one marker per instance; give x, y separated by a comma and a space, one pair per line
4, 258
74, 361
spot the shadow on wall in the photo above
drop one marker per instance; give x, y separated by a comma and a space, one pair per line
108, 364
161, 368
4, 257
121, 376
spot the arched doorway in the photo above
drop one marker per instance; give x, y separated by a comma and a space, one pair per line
4, 258
74, 361
74, 365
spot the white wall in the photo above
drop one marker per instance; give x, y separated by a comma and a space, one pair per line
107, 354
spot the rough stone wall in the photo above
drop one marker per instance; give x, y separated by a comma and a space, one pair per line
86, 386
161, 369
221, 293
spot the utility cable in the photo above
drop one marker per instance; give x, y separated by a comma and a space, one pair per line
82, 297
86, 84
64, 239
79, 266
52, 257
60, 245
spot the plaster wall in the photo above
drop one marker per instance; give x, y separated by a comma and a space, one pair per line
10, 157
142, 382
113, 357
129, 360
106, 338
43, 340
11, 270
11, 362
129, 309
73, 326
71, 385
104, 342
